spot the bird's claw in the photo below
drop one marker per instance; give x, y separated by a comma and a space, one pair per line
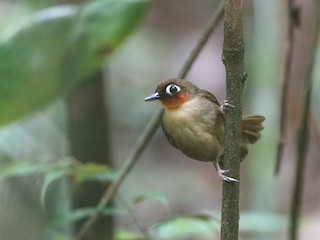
226, 178
229, 179
224, 105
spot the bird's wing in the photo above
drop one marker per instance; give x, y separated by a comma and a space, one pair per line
209, 96
218, 128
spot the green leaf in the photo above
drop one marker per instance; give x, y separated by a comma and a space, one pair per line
157, 196
80, 173
48, 180
93, 172
127, 235
59, 48
186, 227
38, 4
20, 168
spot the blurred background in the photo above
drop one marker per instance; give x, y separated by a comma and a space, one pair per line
172, 184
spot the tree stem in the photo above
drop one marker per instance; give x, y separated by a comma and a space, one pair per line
233, 59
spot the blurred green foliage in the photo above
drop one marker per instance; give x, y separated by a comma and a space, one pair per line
54, 170
186, 227
201, 226
57, 49
204, 226
38, 4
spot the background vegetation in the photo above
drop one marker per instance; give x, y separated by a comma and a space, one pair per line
60, 109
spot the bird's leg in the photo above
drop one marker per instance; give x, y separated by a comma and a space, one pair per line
221, 173
224, 105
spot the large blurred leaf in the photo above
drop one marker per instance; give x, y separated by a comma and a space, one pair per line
186, 227
127, 235
57, 49
38, 4
20, 169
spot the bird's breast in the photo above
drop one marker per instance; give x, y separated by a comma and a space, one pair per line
191, 128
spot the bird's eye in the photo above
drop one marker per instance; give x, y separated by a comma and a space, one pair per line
172, 89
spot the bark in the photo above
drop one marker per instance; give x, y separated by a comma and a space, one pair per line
233, 59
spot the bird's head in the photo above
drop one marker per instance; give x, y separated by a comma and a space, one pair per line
173, 93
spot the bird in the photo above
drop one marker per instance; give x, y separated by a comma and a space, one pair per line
193, 121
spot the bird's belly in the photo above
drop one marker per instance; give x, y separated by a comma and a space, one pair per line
196, 143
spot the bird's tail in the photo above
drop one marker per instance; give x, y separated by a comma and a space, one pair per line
251, 127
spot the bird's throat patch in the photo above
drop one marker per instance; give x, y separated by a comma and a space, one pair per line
174, 102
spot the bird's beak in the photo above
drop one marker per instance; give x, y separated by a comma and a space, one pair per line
152, 97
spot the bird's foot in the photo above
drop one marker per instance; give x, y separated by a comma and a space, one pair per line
224, 105
224, 177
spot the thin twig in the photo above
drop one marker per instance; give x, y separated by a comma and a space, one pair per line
293, 21
303, 133
151, 128
233, 58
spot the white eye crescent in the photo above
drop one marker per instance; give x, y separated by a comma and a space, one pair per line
172, 89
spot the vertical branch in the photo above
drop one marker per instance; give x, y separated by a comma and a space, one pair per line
293, 21
233, 59
303, 133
